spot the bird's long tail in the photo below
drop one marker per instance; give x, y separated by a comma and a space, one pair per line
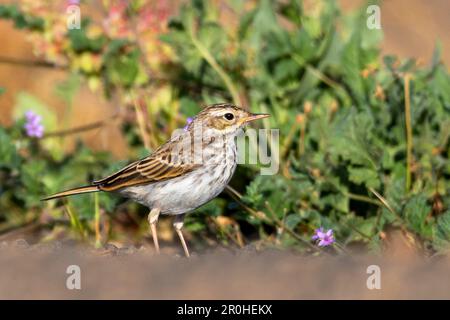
71, 192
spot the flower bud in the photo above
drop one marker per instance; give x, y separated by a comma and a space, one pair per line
307, 107
300, 118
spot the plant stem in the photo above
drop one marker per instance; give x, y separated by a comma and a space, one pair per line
341, 248
358, 231
80, 129
141, 123
75, 221
150, 124
363, 198
271, 220
409, 136
388, 206
98, 242
30, 63
301, 143
281, 225
288, 140
316, 72
215, 65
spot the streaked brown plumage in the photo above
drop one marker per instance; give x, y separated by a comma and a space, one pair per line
184, 173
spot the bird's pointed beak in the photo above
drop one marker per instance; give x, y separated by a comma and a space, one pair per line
256, 116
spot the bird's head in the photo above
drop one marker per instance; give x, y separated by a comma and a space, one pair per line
224, 118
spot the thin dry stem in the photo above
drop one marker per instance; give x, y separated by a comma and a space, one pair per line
409, 135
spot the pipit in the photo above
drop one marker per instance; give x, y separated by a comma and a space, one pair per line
189, 170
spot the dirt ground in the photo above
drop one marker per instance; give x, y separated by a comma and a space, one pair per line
40, 272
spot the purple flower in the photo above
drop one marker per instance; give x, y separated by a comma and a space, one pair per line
33, 126
188, 122
324, 238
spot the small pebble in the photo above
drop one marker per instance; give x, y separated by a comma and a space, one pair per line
110, 246
21, 244
107, 250
126, 250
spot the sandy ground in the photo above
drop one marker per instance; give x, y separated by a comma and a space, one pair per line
39, 272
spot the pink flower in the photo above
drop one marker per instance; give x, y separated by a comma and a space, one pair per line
188, 122
33, 126
323, 238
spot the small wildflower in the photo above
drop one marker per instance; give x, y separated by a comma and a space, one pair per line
379, 93
33, 126
307, 107
334, 106
188, 122
365, 73
300, 118
324, 238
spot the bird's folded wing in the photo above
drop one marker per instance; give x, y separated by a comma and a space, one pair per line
158, 166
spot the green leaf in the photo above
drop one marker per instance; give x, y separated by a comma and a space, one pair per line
80, 41
292, 221
352, 139
8, 155
189, 107
442, 231
213, 37
253, 195
285, 69
31, 174
26, 101
415, 212
265, 19
20, 19
67, 89
124, 69
368, 177
336, 201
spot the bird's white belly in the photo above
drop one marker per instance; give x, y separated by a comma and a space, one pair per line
185, 193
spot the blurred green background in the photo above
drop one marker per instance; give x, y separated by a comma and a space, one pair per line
364, 137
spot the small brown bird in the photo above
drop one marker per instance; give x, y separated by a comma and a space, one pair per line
189, 170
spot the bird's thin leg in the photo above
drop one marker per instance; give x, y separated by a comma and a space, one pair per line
178, 225
153, 220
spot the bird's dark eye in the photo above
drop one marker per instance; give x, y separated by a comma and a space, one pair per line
229, 116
